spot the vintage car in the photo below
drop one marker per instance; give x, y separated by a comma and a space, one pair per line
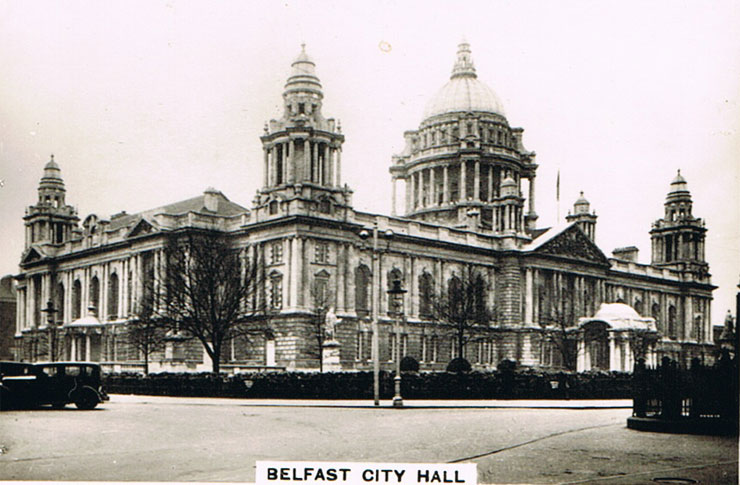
24, 385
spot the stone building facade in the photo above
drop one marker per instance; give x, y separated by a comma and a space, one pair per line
465, 171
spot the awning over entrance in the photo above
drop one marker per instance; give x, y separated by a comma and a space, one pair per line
614, 338
619, 316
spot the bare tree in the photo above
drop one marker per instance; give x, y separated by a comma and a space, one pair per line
565, 338
640, 340
463, 308
147, 334
209, 290
322, 299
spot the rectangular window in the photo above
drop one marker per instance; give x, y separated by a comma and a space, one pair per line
321, 252
276, 252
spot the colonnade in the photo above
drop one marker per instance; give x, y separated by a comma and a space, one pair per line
677, 247
444, 184
298, 160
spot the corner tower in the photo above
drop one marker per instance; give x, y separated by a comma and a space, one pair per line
302, 153
583, 216
464, 166
51, 220
678, 238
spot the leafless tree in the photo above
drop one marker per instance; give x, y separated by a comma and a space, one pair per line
640, 340
462, 307
322, 299
147, 334
564, 336
209, 290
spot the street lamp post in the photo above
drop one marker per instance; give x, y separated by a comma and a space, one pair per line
396, 296
50, 326
375, 299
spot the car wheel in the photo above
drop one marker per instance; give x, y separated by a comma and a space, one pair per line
86, 399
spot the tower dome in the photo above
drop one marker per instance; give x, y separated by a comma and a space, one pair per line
303, 78
679, 189
464, 92
582, 205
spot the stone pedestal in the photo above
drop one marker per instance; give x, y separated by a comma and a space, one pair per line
330, 357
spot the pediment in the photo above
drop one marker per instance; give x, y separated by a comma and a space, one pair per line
31, 256
141, 228
572, 243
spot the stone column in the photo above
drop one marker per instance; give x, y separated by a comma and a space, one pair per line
445, 185
490, 183
290, 177
328, 172
463, 184
265, 182
341, 275
293, 273
614, 363
315, 171
339, 166
529, 297
531, 195
87, 347
409, 183
306, 172
417, 194
432, 188
476, 187
394, 181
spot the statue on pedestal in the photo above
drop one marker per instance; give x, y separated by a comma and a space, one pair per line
330, 324
330, 352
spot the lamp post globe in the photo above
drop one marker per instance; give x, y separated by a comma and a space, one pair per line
396, 296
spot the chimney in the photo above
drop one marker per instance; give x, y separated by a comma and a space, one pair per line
210, 199
626, 254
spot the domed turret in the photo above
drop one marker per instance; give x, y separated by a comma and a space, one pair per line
51, 220
679, 189
583, 216
465, 158
678, 238
302, 152
464, 92
582, 206
303, 79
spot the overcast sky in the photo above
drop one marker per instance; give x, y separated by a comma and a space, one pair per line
147, 103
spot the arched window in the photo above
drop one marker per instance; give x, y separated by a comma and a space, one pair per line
95, 293
113, 296
672, 321
655, 313
393, 275
426, 295
59, 317
638, 306
455, 301
362, 287
76, 300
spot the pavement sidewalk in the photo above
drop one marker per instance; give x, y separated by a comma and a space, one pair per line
385, 403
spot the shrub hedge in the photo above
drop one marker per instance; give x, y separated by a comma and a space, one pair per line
522, 384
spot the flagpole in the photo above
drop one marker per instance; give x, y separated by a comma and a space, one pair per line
557, 198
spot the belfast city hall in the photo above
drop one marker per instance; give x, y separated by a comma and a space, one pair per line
463, 203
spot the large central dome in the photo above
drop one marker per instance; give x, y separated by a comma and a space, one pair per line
464, 92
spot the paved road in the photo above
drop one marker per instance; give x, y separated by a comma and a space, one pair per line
179, 439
